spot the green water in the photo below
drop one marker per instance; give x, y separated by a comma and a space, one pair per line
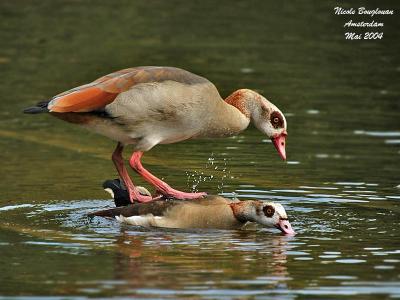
339, 185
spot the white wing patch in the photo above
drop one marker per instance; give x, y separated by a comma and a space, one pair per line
110, 191
145, 221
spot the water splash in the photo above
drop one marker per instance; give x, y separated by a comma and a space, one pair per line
216, 171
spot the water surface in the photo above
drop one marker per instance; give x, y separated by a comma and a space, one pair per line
340, 185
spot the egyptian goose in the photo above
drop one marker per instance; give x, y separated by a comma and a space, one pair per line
210, 212
146, 106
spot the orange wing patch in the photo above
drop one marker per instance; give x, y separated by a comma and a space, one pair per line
84, 100
105, 89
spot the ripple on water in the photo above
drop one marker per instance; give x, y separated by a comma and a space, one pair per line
378, 133
359, 192
353, 289
384, 267
326, 256
350, 261
76, 210
254, 191
340, 277
296, 253
349, 183
341, 198
290, 191
303, 258
392, 142
318, 187
11, 207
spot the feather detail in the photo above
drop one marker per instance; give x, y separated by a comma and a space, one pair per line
145, 221
84, 100
101, 92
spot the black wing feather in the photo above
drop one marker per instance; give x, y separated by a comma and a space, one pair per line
40, 107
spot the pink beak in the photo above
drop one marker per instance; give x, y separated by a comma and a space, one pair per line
280, 143
285, 227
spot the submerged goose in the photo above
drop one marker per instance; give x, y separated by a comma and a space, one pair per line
147, 106
209, 212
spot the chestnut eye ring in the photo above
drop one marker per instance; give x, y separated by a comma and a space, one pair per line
269, 211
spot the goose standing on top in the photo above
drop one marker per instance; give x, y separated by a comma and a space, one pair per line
146, 106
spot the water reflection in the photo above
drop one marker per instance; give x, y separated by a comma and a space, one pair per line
258, 260
254, 261
340, 185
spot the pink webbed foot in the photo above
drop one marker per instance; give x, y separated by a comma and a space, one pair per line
135, 195
161, 187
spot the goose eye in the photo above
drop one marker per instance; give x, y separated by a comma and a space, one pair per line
269, 211
276, 119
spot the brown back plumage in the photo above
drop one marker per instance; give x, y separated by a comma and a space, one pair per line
101, 92
104, 90
158, 207
208, 212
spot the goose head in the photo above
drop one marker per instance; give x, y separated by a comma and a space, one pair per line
274, 215
271, 122
267, 214
264, 115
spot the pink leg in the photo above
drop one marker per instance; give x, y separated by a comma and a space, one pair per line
134, 194
160, 185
